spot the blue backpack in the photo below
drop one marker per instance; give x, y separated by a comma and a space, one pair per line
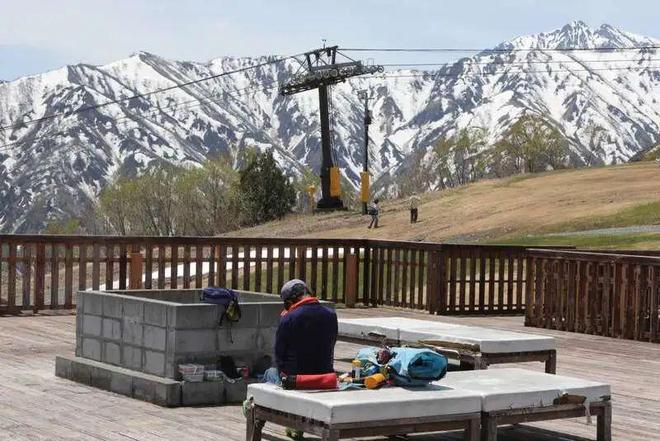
225, 297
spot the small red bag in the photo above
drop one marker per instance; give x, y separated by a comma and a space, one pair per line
317, 381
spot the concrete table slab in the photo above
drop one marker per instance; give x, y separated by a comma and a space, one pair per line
366, 405
510, 396
411, 330
387, 411
491, 341
513, 388
474, 345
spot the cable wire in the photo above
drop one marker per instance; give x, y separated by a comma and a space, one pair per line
517, 62
146, 94
499, 50
278, 60
195, 102
433, 74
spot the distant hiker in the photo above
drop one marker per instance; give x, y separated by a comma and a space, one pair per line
414, 204
373, 211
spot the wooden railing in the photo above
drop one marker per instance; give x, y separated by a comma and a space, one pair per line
609, 294
448, 279
44, 272
38, 272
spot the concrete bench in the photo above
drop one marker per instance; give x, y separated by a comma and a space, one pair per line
472, 346
364, 413
511, 396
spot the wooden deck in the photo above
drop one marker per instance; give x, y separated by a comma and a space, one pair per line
35, 405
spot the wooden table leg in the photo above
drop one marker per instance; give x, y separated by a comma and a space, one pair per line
488, 428
480, 362
249, 423
253, 426
551, 363
474, 362
472, 430
604, 423
466, 365
258, 427
330, 435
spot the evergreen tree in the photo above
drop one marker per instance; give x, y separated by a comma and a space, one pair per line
266, 192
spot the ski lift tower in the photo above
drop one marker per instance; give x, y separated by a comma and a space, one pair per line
318, 70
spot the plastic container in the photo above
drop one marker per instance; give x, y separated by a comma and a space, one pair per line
214, 375
373, 381
357, 369
244, 372
193, 373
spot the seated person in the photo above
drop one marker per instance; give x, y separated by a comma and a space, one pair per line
305, 339
307, 333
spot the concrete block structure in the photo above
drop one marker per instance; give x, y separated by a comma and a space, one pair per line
132, 342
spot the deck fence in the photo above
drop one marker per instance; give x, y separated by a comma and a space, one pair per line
44, 272
609, 294
447, 279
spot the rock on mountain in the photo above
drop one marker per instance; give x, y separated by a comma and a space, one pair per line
53, 169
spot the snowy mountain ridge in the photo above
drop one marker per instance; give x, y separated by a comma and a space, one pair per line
53, 169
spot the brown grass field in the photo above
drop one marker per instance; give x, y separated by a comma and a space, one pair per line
519, 209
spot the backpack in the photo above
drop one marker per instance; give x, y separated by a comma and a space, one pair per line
225, 297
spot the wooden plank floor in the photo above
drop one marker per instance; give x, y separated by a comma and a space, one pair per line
35, 405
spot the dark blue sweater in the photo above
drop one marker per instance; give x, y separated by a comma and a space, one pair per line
305, 340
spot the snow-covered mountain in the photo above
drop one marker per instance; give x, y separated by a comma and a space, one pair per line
617, 91
52, 169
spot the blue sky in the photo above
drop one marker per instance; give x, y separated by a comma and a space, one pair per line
38, 35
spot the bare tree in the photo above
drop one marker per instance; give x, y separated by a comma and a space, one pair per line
170, 200
532, 145
461, 158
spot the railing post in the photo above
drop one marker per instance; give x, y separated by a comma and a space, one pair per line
352, 268
365, 275
655, 301
11, 277
135, 273
300, 263
3, 306
432, 282
27, 275
40, 277
220, 257
529, 289
373, 285
442, 282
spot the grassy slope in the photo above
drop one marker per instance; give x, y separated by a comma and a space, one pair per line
521, 209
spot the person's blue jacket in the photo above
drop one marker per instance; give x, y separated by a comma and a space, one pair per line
305, 340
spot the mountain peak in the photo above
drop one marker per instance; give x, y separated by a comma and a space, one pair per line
144, 56
578, 34
575, 24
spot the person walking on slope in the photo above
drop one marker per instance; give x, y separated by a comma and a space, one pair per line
414, 205
374, 211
